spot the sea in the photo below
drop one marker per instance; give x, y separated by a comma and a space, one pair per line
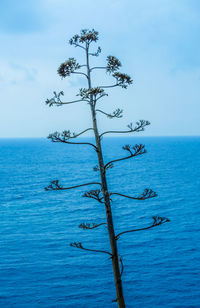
39, 268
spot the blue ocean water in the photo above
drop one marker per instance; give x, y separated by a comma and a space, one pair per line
38, 268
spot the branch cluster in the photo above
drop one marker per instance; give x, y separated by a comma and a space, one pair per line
76, 244
54, 186
138, 149
96, 168
68, 67
61, 137
86, 36
140, 125
86, 93
113, 64
122, 80
147, 194
55, 100
96, 54
66, 135
94, 194
157, 220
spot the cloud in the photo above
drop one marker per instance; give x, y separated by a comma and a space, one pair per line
16, 74
28, 73
21, 16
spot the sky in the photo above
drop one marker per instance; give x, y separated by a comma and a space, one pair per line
157, 42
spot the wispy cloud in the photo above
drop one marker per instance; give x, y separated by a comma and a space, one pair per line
21, 16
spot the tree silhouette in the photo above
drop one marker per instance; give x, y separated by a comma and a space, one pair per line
91, 95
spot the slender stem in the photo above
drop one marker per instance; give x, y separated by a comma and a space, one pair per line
75, 136
117, 132
76, 101
69, 142
122, 266
141, 229
112, 86
93, 227
77, 45
96, 226
95, 250
98, 67
115, 160
101, 96
105, 192
103, 112
134, 198
66, 188
80, 74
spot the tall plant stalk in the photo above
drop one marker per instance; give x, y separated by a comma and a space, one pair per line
106, 196
91, 95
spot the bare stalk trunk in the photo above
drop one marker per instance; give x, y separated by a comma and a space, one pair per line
113, 244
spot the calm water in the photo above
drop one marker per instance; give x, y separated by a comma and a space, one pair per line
37, 266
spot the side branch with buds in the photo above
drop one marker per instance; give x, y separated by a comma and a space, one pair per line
79, 245
136, 150
56, 186
56, 100
122, 80
157, 221
147, 194
89, 226
94, 194
140, 125
65, 136
116, 113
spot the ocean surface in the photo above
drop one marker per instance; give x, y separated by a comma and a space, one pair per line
38, 268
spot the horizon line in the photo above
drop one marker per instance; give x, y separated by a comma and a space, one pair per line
81, 137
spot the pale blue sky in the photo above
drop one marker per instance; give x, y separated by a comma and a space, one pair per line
157, 41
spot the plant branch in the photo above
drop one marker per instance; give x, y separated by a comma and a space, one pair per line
122, 266
77, 45
98, 67
56, 186
94, 194
57, 101
57, 137
147, 194
67, 134
111, 86
79, 245
116, 114
80, 73
76, 101
140, 125
138, 150
95, 54
105, 94
157, 221
115, 160
90, 226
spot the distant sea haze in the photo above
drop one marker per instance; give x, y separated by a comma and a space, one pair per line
38, 268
